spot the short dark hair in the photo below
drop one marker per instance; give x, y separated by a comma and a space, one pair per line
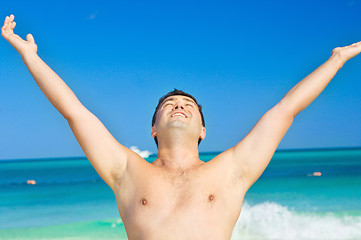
172, 93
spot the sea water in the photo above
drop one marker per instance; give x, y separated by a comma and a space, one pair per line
313, 194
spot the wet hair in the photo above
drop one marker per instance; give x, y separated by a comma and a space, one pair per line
172, 93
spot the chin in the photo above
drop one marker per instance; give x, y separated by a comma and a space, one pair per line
177, 124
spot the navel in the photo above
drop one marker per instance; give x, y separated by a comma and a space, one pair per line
211, 198
144, 201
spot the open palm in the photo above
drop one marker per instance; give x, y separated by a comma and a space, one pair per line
22, 46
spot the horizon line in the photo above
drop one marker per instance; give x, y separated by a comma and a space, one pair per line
200, 153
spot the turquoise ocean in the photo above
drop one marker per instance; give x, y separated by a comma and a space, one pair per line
303, 194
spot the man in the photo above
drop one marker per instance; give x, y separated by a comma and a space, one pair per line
178, 196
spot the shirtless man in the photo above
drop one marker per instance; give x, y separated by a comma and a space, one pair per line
178, 196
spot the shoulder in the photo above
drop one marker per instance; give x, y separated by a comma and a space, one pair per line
225, 164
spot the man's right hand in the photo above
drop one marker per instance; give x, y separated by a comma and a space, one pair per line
22, 46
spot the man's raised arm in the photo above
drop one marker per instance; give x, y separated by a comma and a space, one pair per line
252, 155
108, 157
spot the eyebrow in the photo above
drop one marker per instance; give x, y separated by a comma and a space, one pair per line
185, 99
189, 100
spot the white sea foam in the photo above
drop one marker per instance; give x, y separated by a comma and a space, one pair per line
273, 221
143, 154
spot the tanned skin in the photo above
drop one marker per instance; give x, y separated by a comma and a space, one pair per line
178, 196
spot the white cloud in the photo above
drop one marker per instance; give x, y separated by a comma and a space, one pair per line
143, 154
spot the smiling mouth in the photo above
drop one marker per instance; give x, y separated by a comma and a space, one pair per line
179, 114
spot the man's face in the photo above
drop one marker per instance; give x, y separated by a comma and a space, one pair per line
179, 112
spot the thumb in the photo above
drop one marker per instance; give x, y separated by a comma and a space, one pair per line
30, 38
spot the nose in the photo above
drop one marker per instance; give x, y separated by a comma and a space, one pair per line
178, 105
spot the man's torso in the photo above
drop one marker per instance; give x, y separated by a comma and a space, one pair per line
201, 203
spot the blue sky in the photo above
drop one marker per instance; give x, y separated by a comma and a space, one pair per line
237, 58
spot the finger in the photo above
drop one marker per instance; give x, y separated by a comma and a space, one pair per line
10, 22
30, 38
13, 25
6, 21
8, 26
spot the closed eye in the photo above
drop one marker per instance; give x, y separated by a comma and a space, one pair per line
165, 105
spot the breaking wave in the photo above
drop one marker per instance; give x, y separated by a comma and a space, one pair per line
270, 220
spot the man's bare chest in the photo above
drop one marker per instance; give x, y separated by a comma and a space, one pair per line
178, 191
158, 200
163, 191
175, 203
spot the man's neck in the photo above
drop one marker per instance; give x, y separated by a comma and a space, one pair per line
178, 154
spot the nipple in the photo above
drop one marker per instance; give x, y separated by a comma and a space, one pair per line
144, 201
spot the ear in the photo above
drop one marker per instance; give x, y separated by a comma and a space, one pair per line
203, 133
153, 132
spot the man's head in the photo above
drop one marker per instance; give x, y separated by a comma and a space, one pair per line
170, 99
